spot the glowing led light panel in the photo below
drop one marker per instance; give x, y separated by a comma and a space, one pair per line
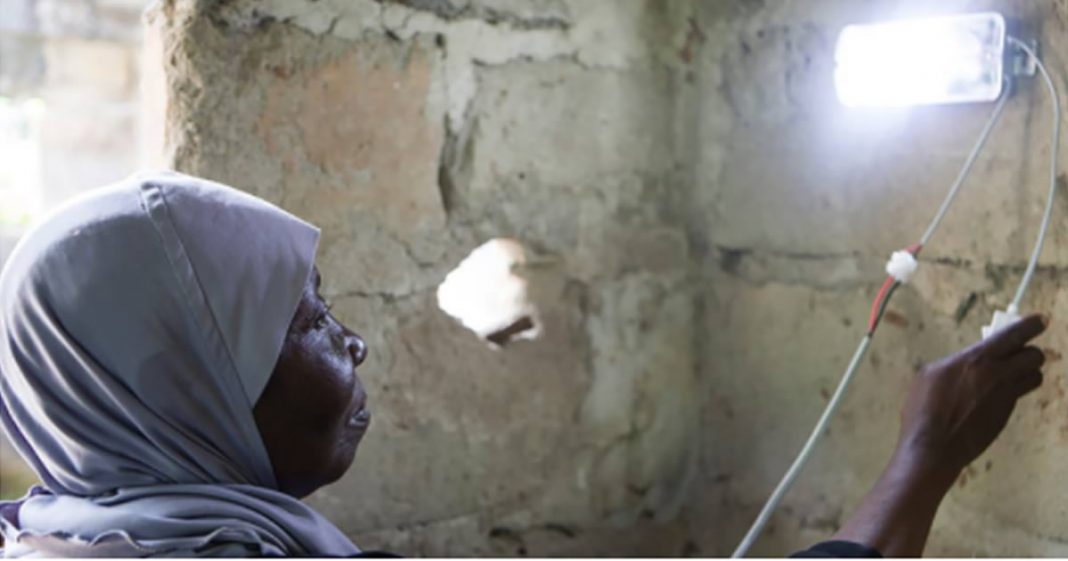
946, 59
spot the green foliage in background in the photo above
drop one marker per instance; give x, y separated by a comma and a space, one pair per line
11, 216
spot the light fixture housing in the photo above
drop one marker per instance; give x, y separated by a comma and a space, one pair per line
944, 59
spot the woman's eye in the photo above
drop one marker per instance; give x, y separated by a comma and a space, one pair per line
323, 319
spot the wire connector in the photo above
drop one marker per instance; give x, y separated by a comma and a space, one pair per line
901, 266
1001, 320
1023, 64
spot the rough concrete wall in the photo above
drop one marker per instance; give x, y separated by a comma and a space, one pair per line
412, 132
710, 228
797, 204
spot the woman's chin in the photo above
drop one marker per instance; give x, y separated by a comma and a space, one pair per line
343, 462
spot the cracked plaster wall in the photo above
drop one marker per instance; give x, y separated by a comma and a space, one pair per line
411, 132
797, 204
709, 229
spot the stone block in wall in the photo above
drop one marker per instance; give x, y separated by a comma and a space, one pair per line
359, 125
551, 151
344, 133
581, 126
610, 251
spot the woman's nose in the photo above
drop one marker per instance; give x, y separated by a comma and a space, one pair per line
358, 348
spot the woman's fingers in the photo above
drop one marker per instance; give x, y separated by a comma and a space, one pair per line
1026, 359
1021, 372
1027, 382
1009, 340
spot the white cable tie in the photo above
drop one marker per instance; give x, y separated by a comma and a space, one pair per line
901, 266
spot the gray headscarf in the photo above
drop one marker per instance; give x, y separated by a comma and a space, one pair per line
139, 324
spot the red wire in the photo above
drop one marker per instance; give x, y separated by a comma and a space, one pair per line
879, 303
887, 284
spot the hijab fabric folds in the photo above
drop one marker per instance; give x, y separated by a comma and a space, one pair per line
139, 324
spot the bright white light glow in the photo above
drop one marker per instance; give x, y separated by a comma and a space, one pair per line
947, 59
487, 296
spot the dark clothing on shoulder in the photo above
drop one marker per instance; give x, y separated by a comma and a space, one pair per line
838, 549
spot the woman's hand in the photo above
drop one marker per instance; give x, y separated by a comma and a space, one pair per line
957, 406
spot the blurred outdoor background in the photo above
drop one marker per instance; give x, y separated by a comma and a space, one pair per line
69, 94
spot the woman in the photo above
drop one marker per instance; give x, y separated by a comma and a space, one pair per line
169, 370
171, 374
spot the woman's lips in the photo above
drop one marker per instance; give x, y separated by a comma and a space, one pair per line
360, 419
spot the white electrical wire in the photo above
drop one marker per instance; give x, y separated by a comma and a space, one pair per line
806, 452
1054, 148
817, 432
967, 168
810, 445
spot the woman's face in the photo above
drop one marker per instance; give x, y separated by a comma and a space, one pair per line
313, 412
